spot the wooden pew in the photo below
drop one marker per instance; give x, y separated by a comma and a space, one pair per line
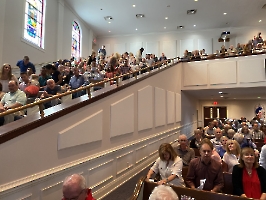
228, 184
144, 189
259, 145
197, 152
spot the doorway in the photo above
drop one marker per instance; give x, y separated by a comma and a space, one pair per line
213, 112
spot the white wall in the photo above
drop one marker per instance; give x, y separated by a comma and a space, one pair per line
107, 141
174, 43
58, 24
189, 111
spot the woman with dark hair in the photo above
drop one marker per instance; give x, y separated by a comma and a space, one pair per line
55, 74
91, 58
6, 76
111, 70
168, 165
249, 179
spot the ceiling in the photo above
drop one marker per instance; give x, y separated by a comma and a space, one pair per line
210, 15
229, 93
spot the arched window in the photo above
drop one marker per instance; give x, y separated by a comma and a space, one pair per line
75, 48
34, 22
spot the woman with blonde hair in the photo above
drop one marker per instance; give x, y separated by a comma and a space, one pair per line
6, 76
231, 156
168, 165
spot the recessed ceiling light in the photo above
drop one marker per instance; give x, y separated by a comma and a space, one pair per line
109, 22
164, 27
221, 96
109, 31
194, 25
220, 92
260, 20
133, 6
136, 29
195, 0
225, 13
166, 18
180, 27
258, 97
140, 15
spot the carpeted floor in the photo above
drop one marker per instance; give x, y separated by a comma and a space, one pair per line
125, 191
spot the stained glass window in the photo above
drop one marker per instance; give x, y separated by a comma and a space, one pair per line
75, 48
34, 22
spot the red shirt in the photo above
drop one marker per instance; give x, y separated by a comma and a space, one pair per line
251, 184
89, 196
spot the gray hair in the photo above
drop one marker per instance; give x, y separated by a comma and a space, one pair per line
239, 137
163, 192
75, 179
231, 131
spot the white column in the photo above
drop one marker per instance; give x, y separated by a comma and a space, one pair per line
2, 24
60, 28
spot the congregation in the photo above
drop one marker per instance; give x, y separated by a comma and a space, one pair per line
71, 74
233, 147
66, 75
257, 44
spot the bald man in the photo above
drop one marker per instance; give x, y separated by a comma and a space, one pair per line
74, 187
183, 150
13, 99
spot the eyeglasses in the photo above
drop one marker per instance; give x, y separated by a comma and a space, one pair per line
73, 198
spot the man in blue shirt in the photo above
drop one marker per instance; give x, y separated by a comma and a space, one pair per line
102, 51
77, 81
51, 90
25, 64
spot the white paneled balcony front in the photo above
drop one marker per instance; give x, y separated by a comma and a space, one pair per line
244, 71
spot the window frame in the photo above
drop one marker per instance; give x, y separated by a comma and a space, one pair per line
40, 32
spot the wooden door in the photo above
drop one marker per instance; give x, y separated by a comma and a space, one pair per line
214, 112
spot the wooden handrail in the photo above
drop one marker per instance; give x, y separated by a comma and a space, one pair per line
12, 130
42, 101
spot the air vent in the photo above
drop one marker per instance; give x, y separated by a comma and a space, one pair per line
180, 27
108, 18
264, 6
191, 12
140, 15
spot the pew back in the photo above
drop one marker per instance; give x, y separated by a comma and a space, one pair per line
147, 188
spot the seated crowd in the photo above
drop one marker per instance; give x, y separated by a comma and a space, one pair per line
235, 147
228, 147
66, 75
254, 45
